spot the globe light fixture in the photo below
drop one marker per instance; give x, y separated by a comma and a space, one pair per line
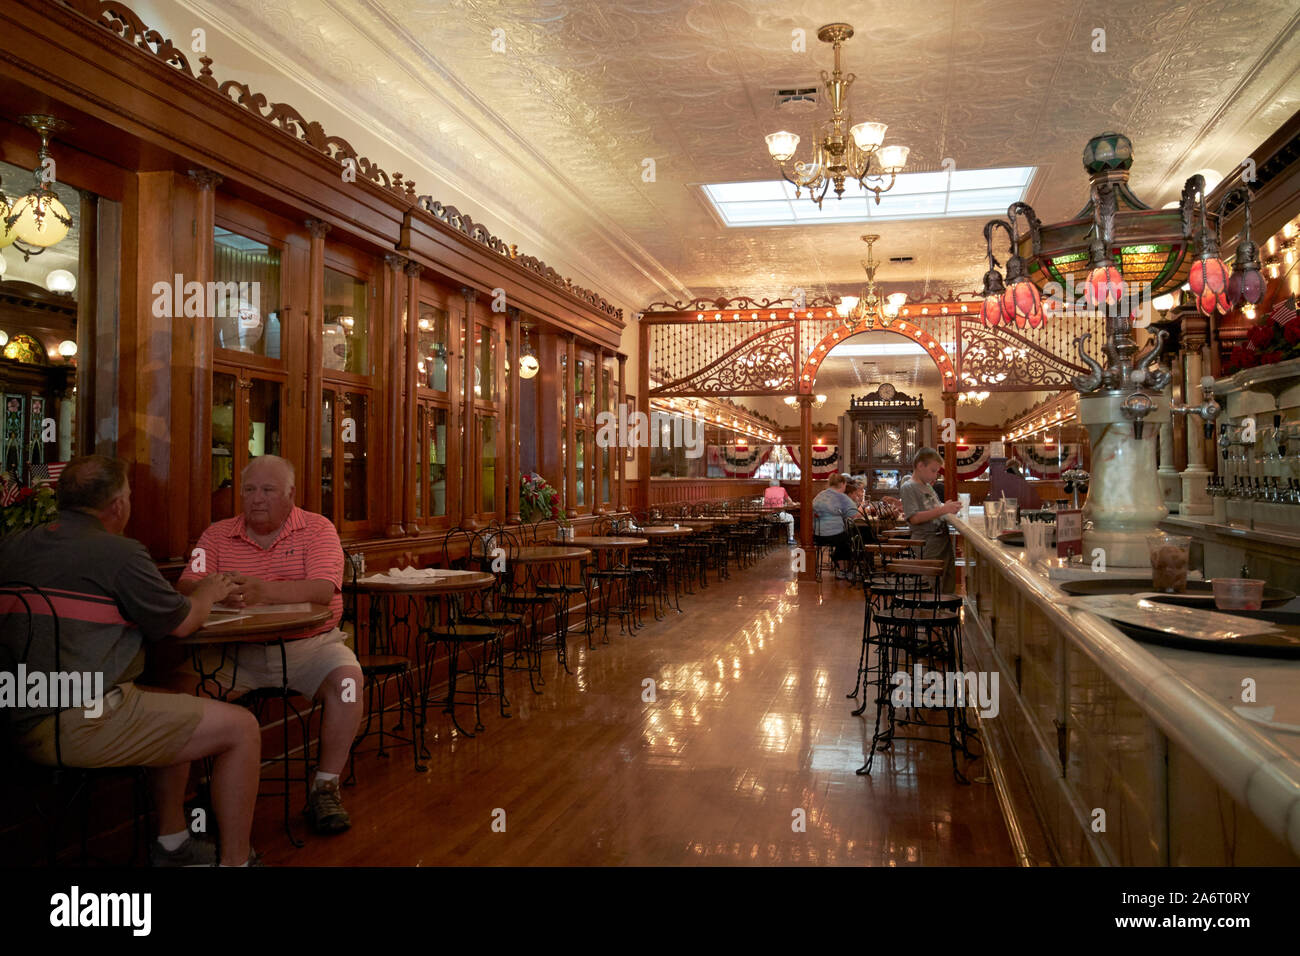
61, 281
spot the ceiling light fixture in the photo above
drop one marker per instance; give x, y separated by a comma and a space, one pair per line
528, 364
843, 150
38, 219
870, 309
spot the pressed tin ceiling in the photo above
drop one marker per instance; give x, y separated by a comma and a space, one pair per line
551, 135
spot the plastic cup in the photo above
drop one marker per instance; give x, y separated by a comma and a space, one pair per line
1238, 594
1010, 514
1169, 562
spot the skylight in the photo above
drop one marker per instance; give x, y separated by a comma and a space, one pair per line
937, 195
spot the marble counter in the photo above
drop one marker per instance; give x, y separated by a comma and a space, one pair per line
1102, 721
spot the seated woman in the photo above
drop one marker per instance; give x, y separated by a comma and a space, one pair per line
776, 497
832, 512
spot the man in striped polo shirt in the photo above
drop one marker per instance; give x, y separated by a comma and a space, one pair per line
281, 554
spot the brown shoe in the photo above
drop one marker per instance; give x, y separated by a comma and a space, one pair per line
325, 809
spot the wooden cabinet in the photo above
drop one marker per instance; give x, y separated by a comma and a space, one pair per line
886, 430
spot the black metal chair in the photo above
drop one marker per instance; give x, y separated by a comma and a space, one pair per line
463, 629
381, 663
21, 606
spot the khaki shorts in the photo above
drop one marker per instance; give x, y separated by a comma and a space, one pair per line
138, 728
250, 666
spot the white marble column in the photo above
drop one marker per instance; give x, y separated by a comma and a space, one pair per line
1196, 476
1171, 486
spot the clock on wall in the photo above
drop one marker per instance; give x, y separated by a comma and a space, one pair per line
886, 392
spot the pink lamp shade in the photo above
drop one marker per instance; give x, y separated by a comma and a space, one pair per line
1209, 284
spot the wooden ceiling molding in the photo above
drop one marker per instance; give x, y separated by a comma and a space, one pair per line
99, 58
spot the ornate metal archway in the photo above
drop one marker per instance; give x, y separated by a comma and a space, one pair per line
745, 346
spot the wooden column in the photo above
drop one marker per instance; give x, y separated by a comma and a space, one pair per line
949, 448
455, 514
497, 375
570, 428
393, 288
311, 476
515, 383
643, 406
409, 437
805, 471
620, 454
200, 463
467, 507
597, 459
87, 324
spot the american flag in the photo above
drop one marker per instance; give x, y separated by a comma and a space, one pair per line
1284, 311
9, 491
47, 473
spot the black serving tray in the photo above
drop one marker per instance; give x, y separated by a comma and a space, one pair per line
1284, 644
1198, 593
1012, 539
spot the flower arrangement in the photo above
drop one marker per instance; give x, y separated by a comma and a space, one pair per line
23, 508
1275, 339
538, 501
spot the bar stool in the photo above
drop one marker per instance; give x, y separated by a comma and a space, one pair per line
909, 636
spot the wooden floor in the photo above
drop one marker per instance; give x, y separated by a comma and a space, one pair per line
750, 724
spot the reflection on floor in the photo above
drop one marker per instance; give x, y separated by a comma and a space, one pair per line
749, 725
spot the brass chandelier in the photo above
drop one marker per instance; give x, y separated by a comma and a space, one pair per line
843, 150
870, 309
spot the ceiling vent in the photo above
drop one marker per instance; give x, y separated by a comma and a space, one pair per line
902, 259
798, 99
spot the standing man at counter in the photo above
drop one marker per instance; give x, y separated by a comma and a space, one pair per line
925, 512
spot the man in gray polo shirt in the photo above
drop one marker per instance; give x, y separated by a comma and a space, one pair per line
110, 599
924, 512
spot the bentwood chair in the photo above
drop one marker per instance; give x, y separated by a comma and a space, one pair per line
460, 630
28, 616
381, 663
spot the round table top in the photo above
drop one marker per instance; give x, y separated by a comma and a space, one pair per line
609, 541
664, 531
701, 522
449, 584
253, 627
541, 553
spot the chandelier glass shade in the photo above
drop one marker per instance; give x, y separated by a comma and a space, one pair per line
1208, 278
841, 150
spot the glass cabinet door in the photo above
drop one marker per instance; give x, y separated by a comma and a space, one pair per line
224, 388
